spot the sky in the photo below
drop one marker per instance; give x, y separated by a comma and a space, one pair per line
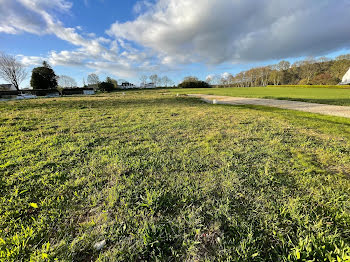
125, 39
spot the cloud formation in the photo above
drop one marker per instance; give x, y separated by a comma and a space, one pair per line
98, 53
167, 34
213, 32
29, 16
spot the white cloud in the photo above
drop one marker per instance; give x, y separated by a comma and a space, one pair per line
220, 31
35, 16
141, 6
225, 75
31, 60
167, 33
116, 68
19, 16
67, 58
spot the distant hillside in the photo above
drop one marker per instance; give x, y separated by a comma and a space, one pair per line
306, 72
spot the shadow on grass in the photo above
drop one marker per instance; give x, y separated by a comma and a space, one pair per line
338, 101
313, 116
100, 102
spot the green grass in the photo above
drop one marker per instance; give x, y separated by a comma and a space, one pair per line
315, 86
331, 96
166, 178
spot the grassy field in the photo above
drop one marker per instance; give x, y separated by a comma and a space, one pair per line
331, 96
166, 178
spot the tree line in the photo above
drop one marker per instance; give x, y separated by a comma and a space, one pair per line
158, 81
44, 77
310, 71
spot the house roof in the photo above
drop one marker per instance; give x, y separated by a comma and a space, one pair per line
5, 85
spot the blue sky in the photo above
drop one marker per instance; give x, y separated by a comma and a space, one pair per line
177, 38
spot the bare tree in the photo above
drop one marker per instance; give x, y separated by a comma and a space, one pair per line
223, 81
213, 79
169, 82
241, 79
309, 70
112, 81
209, 79
275, 76
231, 80
155, 79
166, 81
162, 81
93, 79
297, 64
190, 79
226, 79
252, 77
283, 65
264, 74
323, 59
343, 57
12, 70
66, 81
143, 79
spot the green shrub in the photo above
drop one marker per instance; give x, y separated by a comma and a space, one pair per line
105, 86
194, 84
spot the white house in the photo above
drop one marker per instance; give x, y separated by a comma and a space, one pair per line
7, 87
126, 85
346, 79
149, 85
88, 91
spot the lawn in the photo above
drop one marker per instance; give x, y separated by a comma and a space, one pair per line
333, 96
167, 178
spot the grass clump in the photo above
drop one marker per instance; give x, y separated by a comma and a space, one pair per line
166, 178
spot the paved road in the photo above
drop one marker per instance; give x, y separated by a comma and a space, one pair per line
331, 110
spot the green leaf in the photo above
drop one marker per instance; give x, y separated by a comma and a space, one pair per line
34, 205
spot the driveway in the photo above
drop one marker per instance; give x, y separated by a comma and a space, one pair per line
331, 110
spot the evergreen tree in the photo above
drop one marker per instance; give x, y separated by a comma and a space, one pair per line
43, 77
